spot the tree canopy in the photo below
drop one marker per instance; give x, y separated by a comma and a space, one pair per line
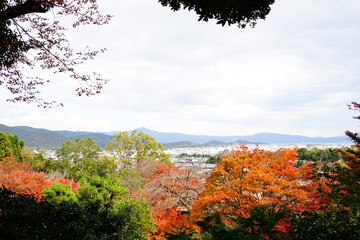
10, 146
132, 148
30, 38
239, 12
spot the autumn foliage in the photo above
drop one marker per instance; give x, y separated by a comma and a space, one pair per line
21, 178
171, 192
246, 179
172, 186
172, 221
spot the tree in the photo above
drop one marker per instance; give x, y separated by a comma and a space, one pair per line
10, 146
349, 173
171, 192
247, 179
58, 193
136, 177
172, 222
31, 38
104, 190
173, 186
240, 12
80, 158
316, 154
132, 148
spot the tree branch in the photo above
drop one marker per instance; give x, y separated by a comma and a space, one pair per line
30, 6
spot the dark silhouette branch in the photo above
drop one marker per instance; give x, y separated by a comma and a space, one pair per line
30, 6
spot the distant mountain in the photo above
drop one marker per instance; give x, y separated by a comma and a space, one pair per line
201, 139
217, 143
284, 138
261, 138
99, 138
182, 144
43, 138
36, 137
46, 139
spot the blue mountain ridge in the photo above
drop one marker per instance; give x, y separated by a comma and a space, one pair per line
43, 138
270, 138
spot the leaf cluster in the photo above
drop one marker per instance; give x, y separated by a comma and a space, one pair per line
10, 146
239, 12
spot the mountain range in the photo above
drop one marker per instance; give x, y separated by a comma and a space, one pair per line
47, 139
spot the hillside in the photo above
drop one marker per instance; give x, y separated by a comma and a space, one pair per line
45, 139
36, 137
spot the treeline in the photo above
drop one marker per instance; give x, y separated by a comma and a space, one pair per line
135, 192
304, 155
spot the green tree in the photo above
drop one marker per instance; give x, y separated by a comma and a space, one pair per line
42, 164
321, 155
103, 190
59, 193
80, 158
10, 146
23, 217
135, 147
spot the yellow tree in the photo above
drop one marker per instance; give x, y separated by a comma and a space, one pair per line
135, 147
251, 178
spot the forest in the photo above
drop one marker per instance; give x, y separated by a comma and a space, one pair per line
136, 192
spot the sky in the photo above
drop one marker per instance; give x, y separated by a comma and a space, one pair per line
294, 73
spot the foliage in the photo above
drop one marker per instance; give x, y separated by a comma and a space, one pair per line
262, 223
214, 159
132, 148
131, 178
80, 158
336, 224
339, 218
348, 173
23, 217
171, 192
50, 209
172, 224
33, 39
240, 12
136, 212
21, 178
103, 190
41, 164
318, 155
10, 146
59, 193
246, 179
173, 186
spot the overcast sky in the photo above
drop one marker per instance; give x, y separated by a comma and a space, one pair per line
293, 73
